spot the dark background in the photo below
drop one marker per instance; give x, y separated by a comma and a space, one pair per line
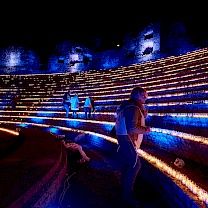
40, 27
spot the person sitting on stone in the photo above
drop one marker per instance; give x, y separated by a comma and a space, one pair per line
73, 147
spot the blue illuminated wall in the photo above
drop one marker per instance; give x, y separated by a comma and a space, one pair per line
70, 57
17, 60
157, 40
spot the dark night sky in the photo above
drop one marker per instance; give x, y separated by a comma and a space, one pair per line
41, 28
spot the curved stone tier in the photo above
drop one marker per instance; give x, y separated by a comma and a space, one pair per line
32, 174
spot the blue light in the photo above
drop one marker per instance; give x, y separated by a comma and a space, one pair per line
37, 120
53, 130
107, 127
164, 141
22, 125
46, 114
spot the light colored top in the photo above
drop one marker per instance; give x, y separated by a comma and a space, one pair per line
75, 102
88, 103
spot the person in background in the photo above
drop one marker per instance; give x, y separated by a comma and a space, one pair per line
13, 101
130, 128
93, 104
75, 105
88, 107
72, 147
66, 103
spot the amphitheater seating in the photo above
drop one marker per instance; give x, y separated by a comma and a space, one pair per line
32, 171
178, 115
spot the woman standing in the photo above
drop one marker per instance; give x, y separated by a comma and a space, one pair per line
14, 100
75, 105
66, 103
87, 108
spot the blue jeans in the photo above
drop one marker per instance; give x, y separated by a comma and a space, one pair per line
131, 166
87, 111
67, 109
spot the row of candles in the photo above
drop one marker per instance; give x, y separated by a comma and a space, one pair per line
162, 166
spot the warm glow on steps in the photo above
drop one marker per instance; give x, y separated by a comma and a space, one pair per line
162, 166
